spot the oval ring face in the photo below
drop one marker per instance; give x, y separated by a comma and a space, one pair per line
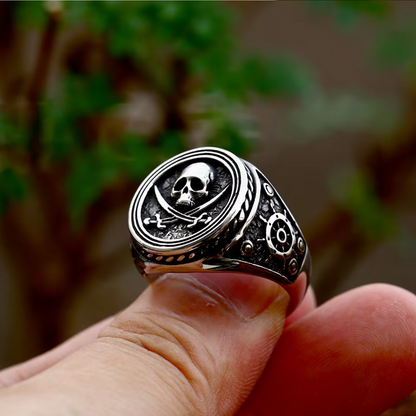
187, 202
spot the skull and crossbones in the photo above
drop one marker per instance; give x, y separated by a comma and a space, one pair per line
192, 184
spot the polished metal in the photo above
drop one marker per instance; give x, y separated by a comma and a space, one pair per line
208, 210
193, 183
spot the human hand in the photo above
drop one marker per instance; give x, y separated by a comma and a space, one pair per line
197, 345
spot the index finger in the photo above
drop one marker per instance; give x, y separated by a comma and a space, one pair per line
354, 355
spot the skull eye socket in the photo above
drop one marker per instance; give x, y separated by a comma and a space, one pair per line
180, 184
197, 184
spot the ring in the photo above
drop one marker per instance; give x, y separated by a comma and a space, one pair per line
208, 210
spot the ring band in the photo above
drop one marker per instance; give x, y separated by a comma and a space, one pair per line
208, 210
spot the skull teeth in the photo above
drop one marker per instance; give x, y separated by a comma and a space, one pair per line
192, 184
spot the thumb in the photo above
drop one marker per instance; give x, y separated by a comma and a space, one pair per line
189, 345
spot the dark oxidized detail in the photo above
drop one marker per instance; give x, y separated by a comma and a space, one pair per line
207, 209
276, 240
189, 205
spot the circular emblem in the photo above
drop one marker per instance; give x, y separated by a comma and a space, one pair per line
189, 204
280, 236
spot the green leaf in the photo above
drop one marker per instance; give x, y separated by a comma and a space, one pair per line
87, 95
61, 133
31, 13
166, 44
161, 24
136, 158
170, 144
245, 77
13, 187
63, 117
11, 134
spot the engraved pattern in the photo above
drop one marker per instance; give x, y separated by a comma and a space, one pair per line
206, 205
175, 223
172, 228
214, 246
287, 257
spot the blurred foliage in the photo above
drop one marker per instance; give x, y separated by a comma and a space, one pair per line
355, 192
161, 49
322, 114
12, 183
203, 83
11, 135
396, 48
12, 187
382, 121
81, 97
347, 12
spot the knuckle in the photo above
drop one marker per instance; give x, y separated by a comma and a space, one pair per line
175, 353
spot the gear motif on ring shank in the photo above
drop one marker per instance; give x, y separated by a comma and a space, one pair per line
207, 207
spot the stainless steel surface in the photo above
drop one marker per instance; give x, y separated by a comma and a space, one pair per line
229, 219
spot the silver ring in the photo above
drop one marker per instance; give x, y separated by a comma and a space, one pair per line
208, 210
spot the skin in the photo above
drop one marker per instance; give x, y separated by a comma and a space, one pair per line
220, 345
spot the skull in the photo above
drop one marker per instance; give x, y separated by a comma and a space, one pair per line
193, 183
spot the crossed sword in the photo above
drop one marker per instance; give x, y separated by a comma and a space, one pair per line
176, 215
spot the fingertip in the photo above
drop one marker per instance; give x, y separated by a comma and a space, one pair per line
392, 311
307, 305
355, 354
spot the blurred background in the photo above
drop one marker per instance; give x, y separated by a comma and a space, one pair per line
320, 95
